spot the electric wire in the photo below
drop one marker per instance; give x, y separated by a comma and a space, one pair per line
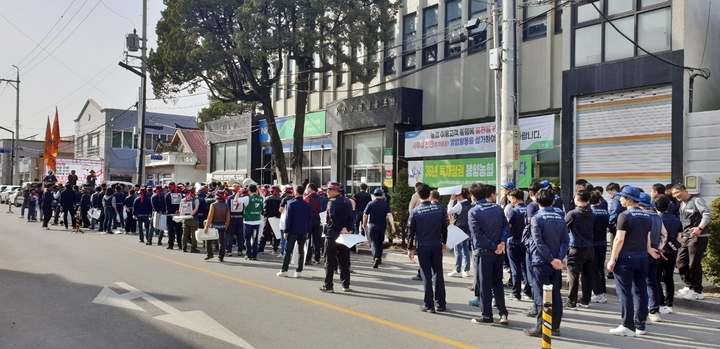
113, 11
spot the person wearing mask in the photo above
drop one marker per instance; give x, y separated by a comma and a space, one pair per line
695, 216
157, 201
72, 178
515, 248
458, 207
47, 201
67, 202
673, 227
658, 238
375, 214
629, 261
615, 209
110, 207
189, 207
548, 246
362, 199
489, 232
427, 232
141, 210
297, 227
581, 255
315, 234
253, 219
218, 218
340, 220
173, 199
236, 203
600, 226
130, 221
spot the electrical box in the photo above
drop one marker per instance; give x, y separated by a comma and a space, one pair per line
494, 58
692, 183
132, 42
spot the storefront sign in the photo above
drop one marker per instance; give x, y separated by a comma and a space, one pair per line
314, 126
535, 133
465, 172
82, 170
360, 105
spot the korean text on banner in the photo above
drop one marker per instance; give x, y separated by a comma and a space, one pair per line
463, 172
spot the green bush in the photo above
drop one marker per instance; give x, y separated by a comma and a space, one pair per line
711, 260
399, 206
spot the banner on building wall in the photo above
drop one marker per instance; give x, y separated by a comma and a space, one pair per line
465, 172
314, 126
82, 170
535, 133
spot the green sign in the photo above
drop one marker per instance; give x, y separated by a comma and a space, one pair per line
314, 125
388, 151
465, 172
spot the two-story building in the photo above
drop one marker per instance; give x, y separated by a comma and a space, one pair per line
182, 160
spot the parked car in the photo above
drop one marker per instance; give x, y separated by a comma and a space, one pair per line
128, 185
5, 193
16, 198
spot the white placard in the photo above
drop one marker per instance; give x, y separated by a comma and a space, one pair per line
186, 207
323, 218
175, 198
450, 190
275, 226
363, 179
350, 240
455, 236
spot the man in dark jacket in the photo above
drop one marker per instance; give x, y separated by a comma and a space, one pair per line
362, 199
297, 226
85, 205
96, 202
47, 199
67, 200
515, 248
120, 196
375, 215
340, 220
130, 221
157, 202
581, 256
172, 205
142, 209
315, 233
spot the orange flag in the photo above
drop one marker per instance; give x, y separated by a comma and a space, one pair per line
48, 148
56, 136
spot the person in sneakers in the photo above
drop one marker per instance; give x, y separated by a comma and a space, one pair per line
340, 220
615, 209
252, 214
581, 256
315, 202
600, 227
297, 228
673, 226
530, 212
695, 216
190, 206
515, 248
362, 199
218, 218
658, 238
142, 209
375, 215
427, 230
172, 205
157, 201
459, 211
629, 261
237, 203
489, 232
548, 246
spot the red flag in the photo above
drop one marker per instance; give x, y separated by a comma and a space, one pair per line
56, 136
48, 148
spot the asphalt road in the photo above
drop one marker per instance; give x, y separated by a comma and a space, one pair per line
150, 297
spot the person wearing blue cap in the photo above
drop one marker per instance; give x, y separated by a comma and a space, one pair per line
504, 201
629, 262
600, 227
557, 200
658, 238
373, 220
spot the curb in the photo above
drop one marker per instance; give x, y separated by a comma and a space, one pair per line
707, 305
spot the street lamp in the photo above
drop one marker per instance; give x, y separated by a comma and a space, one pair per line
17, 121
12, 154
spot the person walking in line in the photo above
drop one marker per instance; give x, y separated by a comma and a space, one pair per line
190, 206
673, 227
297, 228
581, 255
600, 227
110, 208
142, 209
218, 218
315, 234
157, 202
376, 213
340, 220
253, 219
362, 199
515, 248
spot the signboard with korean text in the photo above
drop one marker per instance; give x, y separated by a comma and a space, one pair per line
465, 172
82, 170
314, 126
535, 133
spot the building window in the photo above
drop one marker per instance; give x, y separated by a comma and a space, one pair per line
290, 79
389, 54
363, 159
535, 21
79, 146
122, 140
313, 82
316, 165
409, 41
153, 139
595, 40
230, 157
339, 77
478, 36
93, 145
453, 26
430, 31
354, 54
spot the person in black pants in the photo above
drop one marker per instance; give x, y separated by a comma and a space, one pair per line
47, 199
600, 227
340, 220
297, 226
67, 200
581, 255
427, 229
673, 226
315, 225
172, 203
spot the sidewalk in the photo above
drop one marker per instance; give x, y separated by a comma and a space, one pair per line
709, 304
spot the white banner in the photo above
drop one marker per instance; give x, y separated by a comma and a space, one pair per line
82, 170
535, 133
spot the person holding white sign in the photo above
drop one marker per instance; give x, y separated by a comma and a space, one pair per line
190, 206
297, 226
340, 220
218, 218
172, 204
459, 207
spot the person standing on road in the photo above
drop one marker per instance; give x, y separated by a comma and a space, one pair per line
414, 203
190, 206
110, 208
72, 178
340, 220
375, 214
673, 227
67, 200
600, 228
297, 227
629, 261
237, 204
362, 199
427, 230
548, 247
315, 234
581, 256
489, 232
218, 218
615, 209
658, 239
695, 216
515, 248
157, 201
173, 199
47, 200
142, 209
253, 220
530, 211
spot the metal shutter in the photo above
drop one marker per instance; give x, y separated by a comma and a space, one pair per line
624, 137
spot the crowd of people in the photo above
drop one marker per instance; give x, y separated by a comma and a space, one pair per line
532, 234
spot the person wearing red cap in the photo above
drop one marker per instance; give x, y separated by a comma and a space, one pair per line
218, 218
157, 201
172, 203
190, 206
236, 203
142, 208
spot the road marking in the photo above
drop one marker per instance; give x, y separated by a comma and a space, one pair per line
371, 318
195, 320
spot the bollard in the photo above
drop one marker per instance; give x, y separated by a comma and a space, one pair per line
547, 317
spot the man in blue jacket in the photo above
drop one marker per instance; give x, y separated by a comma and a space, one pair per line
548, 247
142, 209
489, 232
297, 227
158, 205
581, 255
614, 210
515, 248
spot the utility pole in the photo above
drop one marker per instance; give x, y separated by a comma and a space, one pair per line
143, 97
509, 147
496, 44
16, 136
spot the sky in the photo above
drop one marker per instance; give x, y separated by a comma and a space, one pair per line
68, 52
